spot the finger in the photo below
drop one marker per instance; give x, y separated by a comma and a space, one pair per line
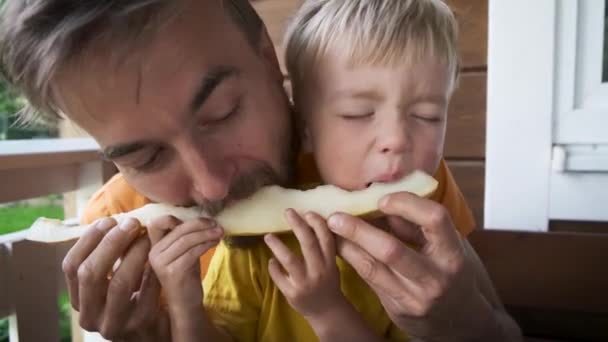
208, 237
278, 276
191, 258
159, 227
125, 282
185, 243
406, 231
78, 254
288, 260
313, 258
382, 246
376, 274
93, 272
201, 224
388, 285
324, 236
433, 218
147, 299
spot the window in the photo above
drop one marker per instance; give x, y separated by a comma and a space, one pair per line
547, 148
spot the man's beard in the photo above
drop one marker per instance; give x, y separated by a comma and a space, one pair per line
244, 186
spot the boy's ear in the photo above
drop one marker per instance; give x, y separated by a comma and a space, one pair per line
269, 55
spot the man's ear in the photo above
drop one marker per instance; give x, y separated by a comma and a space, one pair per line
269, 54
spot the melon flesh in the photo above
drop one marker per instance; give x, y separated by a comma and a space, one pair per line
261, 213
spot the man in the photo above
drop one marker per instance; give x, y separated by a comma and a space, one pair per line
186, 98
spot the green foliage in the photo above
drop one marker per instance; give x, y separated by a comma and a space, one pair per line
18, 217
10, 128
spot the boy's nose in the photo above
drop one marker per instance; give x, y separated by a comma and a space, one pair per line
394, 141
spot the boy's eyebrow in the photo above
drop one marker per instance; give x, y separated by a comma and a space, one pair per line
431, 98
364, 94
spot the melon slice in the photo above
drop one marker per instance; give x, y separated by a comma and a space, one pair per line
261, 213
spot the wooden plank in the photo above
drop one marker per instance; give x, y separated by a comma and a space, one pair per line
275, 14
553, 284
6, 298
469, 176
563, 325
549, 271
472, 16
466, 132
36, 270
579, 227
29, 183
21, 154
35, 181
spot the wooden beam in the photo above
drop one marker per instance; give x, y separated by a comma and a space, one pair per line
36, 302
553, 284
472, 16
469, 176
466, 132
551, 271
6, 293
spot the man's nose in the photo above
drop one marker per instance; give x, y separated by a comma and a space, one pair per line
211, 177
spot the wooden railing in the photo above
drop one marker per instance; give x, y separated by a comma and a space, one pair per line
30, 273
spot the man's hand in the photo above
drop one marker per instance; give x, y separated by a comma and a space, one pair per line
124, 306
431, 293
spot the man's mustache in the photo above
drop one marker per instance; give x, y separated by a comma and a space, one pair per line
244, 186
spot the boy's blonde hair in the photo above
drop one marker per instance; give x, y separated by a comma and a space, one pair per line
377, 32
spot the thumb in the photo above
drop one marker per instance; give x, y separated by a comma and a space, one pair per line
159, 227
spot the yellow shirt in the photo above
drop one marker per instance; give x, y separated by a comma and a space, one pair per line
241, 297
239, 293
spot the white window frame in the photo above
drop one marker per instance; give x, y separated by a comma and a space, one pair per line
546, 154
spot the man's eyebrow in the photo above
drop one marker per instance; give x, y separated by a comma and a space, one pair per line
118, 151
208, 84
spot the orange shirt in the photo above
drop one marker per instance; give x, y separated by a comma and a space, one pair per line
116, 196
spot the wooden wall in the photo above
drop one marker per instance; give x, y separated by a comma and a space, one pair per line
555, 284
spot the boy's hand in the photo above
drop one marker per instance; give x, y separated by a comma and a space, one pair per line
312, 285
176, 250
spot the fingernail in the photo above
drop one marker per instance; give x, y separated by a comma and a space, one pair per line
128, 224
105, 223
217, 231
335, 222
383, 202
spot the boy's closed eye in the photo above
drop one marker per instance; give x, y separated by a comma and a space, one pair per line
357, 116
432, 118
